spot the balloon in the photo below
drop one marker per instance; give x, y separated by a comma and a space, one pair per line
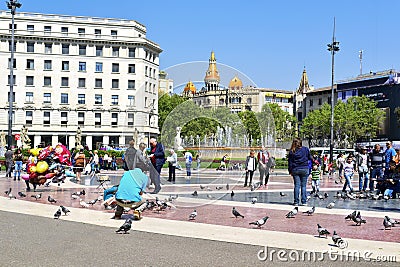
25, 176
32, 169
53, 166
35, 151
42, 179
50, 175
42, 167
32, 175
70, 174
45, 152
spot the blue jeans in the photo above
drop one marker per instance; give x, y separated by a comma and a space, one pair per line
188, 169
110, 192
347, 177
376, 173
17, 169
300, 177
363, 177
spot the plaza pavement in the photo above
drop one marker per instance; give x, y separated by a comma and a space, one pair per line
215, 220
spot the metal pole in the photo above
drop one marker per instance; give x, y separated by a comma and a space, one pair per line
360, 56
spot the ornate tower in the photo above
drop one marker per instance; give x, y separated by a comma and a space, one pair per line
212, 75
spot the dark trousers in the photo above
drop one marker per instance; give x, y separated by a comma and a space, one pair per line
155, 176
9, 169
248, 173
171, 173
264, 173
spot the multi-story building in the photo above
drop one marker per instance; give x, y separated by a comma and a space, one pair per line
99, 74
165, 85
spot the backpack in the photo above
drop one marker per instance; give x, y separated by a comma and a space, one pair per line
80, 161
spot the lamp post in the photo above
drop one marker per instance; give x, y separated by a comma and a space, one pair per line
12, 5
332, 47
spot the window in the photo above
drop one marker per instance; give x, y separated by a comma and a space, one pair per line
47, 65
319, 101
82, 82
145, 101
145, 86
30, 64
9, 46
82, 66
29, 97
154, 73
14, 63
311, 102
64, 98
65, 65
13, 98
81, 31
81, 99
131, 119
47, 30
65, 49
98, 83
10, 26
30, 28
64, 118
48, 48
64, 81
97, 119
64, 31
114, 119
115, 67
81, 118
114, 100
47, 81
99, 67
114, 33
131, 100
115, 83
131, 84
131, 52
28, 117
131, 68
14, 79
115, 51
82, 50
97, 32
145, 71
29, 80
30, 47
46, 118
99, 51
47, 98
98, 99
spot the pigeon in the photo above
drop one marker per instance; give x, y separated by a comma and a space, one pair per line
387, 224
218, 187
125, 227
174, 197
57, 214
308, 198
92, 202
232, 194
11, 196
83, 203
260, 222
227, 187
322, 231
292, 213
210, 196
392, 221
310, 211
202, 187
351, 215
326, 195
208, 188
21, 194
282, 194
254, 200
236, 213
80, 193
64, 210
252, 187
338, 195
37, 196
47, 184
195, 193
100, 198
193, 215
51, 200
330, 205
8, 191
350, 196
74, 196
335, 237
358, 220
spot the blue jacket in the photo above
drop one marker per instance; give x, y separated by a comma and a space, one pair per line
159, 155
132, 183
299, 159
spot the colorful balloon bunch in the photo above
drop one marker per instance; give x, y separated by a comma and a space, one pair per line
48, 163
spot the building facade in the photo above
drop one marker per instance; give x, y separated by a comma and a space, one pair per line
99, 74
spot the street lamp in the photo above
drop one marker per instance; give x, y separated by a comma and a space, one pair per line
332, 47
12, 5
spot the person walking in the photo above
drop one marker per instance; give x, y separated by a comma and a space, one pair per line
172, 161
188, 164
157, 158
316, 175
348, 168
299, 157
390, 154
340, 160
377, 166
364, 163
250, 167
263, 168
95, 162
9, 155
18, 157
79, 164
198, 161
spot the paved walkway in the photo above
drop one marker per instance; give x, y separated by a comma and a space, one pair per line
215, 220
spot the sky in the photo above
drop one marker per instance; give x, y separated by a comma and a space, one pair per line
270, 42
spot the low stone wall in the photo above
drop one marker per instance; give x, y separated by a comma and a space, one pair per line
235, 152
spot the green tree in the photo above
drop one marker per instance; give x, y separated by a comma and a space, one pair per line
251, 125
167, 103
285, 124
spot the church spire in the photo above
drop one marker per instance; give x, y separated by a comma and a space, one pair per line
212, 78
304, 87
